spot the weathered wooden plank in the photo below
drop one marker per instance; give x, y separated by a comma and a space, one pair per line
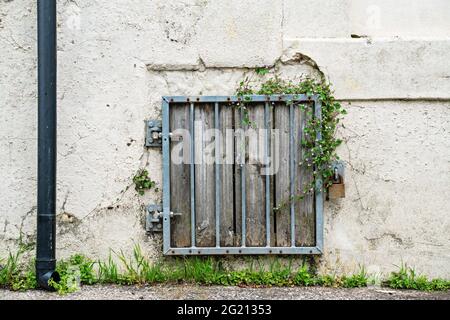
180, 179
282, 178
204, 176
255, 181
227, 232
305, 213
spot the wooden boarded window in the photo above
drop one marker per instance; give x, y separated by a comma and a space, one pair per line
231, 172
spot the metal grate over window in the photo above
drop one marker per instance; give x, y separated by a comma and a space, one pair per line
231, 172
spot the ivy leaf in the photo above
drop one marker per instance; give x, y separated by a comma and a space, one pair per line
143, 182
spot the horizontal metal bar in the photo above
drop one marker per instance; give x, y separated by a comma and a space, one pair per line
250, 98
242, 251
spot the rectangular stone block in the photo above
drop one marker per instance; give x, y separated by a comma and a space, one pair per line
400, 18
380, 69
240, 33
316, 19
372, 18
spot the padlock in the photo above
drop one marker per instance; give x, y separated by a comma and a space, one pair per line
337, 189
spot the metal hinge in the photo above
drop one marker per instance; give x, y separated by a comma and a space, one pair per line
154, 222
154, 134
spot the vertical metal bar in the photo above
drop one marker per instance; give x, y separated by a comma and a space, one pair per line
243, 188
166, 175
192, 129
319, 184
217, 173
292, 171
266, 161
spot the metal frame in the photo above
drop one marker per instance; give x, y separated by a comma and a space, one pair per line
243, 250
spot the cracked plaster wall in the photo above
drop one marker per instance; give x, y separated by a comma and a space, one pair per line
116, 60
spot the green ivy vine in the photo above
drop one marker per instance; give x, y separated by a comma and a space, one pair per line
318, 155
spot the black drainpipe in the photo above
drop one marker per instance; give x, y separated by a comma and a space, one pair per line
46, 209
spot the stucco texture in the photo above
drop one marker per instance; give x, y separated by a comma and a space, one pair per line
116, 60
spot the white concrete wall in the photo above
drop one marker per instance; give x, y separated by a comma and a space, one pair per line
116, 59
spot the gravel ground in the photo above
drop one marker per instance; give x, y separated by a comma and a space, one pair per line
190, 292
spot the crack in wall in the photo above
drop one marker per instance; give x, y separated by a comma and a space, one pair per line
200, 66
394, 237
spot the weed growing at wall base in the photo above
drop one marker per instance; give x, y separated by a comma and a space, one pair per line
74, 272
15, 275
138, 270
406, 278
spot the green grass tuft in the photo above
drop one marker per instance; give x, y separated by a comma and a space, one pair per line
406, 278
138, 270
358, 280
16, 277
